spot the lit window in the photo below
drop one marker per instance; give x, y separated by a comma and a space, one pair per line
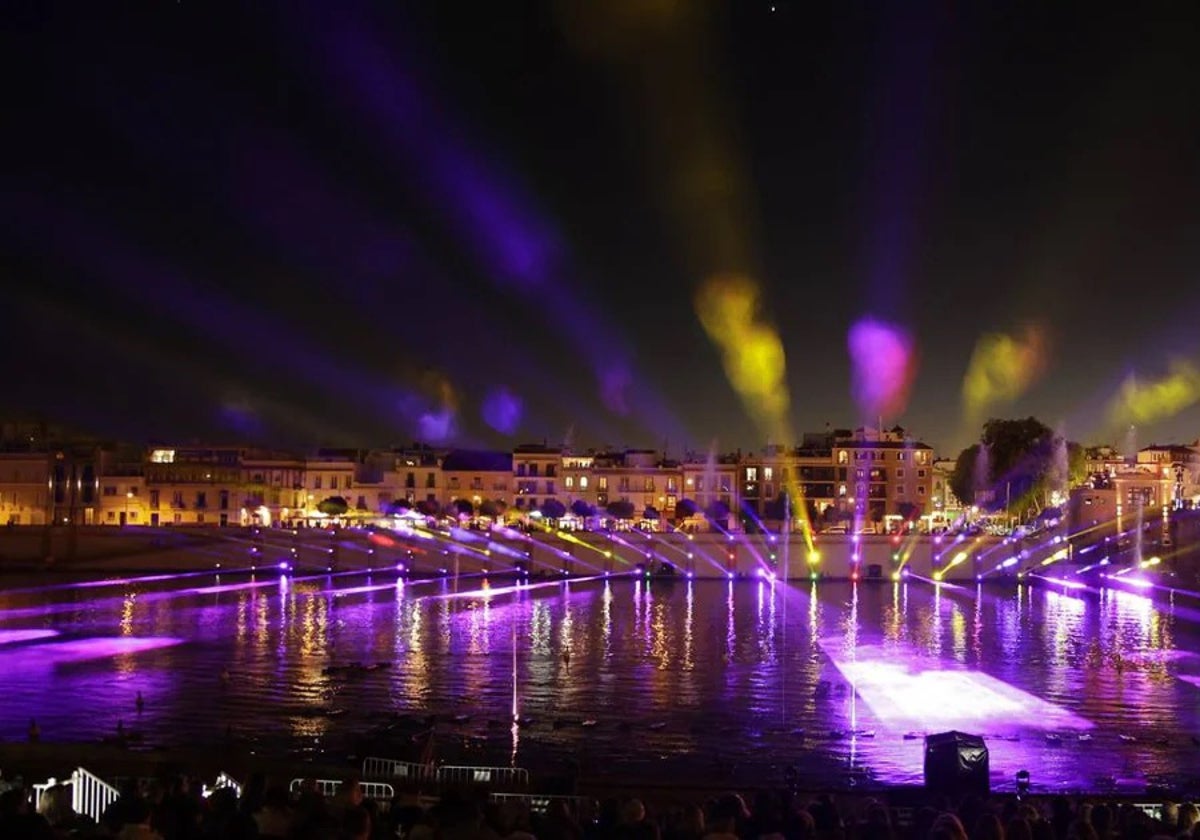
899, 473
569, 482
752, 473
162, 456
768, 473
842, 456
583, 482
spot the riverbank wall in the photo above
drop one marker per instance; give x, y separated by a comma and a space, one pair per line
468, 552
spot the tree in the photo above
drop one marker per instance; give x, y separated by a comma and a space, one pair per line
428, 507
464, 507
399, 506
908, 510
553, 509
1017, 463
651, 513
963, 481
718, 512
685, 508
333, 506
620, 509
582, 509
493, 508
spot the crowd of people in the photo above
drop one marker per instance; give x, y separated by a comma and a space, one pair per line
176, 810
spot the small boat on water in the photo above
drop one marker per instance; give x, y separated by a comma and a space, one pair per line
913, 736
1128, 739
864, 733
354, 669
1084, 736
1053, 738
589, 723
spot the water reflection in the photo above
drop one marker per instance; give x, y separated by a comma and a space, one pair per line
713, 665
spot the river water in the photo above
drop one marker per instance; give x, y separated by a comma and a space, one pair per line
829, 684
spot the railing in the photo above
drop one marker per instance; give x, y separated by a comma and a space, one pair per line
38, 790
388, 768
579, 806
224, 780
90, 795
381, 792
514, 777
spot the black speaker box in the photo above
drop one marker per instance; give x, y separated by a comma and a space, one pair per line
956, 764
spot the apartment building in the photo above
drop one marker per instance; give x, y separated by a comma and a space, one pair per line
195, 485
412, 475
648, 485
537, 476
122, 493
273, 488
864, 474
476, 478
24, 488
710, 489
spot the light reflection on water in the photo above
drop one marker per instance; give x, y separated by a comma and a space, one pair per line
705, 676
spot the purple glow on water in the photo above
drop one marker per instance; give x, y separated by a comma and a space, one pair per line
12, 637
919, 658
1070, 584
80, 650
921, 693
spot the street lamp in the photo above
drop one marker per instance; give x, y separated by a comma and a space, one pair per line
128, 497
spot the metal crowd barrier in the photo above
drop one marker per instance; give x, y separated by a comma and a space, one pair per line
388, 768
540, 804
452, 774
90, 795
224, 780
381, 792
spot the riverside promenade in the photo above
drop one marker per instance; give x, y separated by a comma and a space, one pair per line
460, 551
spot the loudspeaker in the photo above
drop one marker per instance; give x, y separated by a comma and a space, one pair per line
956, 764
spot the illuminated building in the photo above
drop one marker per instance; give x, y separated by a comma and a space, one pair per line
865, 475
476, 476
194, 486
538, 477
24, 488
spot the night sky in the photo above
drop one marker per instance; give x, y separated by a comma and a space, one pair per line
343, 223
